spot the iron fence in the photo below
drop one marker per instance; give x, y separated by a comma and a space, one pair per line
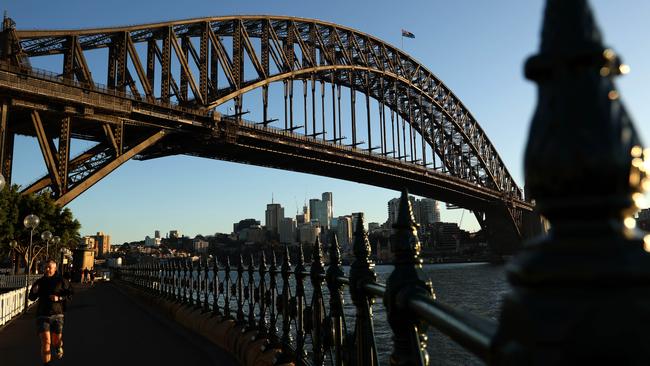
300, 309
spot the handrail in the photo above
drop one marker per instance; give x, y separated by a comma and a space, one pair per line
473, 333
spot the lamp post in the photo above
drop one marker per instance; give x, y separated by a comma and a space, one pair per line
13, 245
55, 241
46, 236
31, 222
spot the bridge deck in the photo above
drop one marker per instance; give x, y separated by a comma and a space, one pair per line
104, 327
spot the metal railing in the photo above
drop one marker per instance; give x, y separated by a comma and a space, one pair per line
16, 281
12, 303
300, 309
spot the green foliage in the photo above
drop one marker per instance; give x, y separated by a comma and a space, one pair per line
14, 206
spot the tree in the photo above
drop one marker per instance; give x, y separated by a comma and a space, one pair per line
14, 206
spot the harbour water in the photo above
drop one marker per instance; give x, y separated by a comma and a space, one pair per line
474, 287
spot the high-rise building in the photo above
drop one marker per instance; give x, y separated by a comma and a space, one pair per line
425, 211
287, 230
328, 203
428, 211
321, 210
157, 234
273, 216
174, 234
315, 210
304, 217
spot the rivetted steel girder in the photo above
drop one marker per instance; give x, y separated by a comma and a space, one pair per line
329, 52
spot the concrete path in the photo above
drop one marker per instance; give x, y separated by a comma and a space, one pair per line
105, 327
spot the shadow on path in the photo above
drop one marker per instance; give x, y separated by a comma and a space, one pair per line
104, 327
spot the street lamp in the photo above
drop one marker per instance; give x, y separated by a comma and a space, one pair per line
56, 240
14, 248
46, 236
31, 221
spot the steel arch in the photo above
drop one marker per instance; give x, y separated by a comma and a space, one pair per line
326, 49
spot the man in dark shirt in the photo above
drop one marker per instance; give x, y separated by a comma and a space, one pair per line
52, 291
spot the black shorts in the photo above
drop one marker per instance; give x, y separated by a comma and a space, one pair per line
52, 323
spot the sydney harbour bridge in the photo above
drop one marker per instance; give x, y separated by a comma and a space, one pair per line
334, 102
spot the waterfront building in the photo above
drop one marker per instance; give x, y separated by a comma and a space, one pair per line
243, 224
447, 236
273, 216
200, 245
252, 234
152, 242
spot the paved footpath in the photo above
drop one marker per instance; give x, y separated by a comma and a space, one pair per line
105, 327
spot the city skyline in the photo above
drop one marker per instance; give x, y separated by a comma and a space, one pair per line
477, 49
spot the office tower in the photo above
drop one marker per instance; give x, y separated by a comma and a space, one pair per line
328, 203
429, 211
273, 216
344, 232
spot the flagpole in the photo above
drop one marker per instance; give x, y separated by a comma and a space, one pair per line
402, 42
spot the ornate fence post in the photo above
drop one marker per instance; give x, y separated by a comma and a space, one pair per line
250, 293
316, 273
190, 281
273, 291
240, 290
406, 281
206, 286
581, 294
177, 281
299, 307
217, 286
334, 271
361, 273
286, 298
262, 296
166, 277
226, 289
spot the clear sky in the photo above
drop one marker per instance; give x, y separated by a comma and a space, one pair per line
475, 47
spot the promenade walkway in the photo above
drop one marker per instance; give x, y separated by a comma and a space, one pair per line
105, 327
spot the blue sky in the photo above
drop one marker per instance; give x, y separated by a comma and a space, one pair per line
476, 47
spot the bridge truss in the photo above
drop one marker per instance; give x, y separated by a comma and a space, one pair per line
179, 88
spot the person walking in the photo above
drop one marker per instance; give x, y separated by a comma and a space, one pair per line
92, 276
52, 292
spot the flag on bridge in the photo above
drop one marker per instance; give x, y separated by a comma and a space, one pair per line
407, 34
